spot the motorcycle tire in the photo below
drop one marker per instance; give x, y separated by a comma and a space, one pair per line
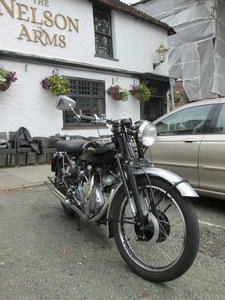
58, 178
165, 246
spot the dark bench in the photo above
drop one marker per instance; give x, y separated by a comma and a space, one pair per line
8, 153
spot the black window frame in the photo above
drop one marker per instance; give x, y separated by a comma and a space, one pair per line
87, 93
106, 14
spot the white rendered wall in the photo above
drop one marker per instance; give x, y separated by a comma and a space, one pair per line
27, 104
135, 41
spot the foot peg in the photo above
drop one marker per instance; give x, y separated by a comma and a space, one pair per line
67, 202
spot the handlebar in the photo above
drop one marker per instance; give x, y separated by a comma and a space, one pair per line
104, 120
66, 103
94, 118
87, 118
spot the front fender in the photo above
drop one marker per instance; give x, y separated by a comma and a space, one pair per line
178, 182
110, 210
181, 185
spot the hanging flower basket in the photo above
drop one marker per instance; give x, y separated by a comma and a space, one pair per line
4, 86
118, 93
119, 97
138, 95
6, 78
140, 92
56, 84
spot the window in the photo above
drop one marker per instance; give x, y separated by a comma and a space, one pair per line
103, 33
90, 98
186, 121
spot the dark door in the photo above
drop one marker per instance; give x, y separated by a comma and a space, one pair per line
152, 109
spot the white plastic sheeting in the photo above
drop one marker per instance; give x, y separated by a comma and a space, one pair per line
197, 50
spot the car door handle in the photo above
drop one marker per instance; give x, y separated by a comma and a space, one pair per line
189, 141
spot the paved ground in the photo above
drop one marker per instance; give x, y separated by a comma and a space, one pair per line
25, 176
43, 256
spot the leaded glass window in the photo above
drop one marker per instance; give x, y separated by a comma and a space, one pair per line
103, 33
90, 98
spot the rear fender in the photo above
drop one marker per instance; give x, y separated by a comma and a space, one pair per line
58, 157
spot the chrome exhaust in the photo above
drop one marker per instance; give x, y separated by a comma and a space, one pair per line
63, 198
67, 202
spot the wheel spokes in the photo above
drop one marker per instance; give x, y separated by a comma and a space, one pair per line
170, 243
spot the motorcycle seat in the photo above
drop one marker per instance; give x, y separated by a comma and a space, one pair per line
72, 146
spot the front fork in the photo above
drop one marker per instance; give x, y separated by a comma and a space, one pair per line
131, 189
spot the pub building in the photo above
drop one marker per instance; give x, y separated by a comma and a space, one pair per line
93, 44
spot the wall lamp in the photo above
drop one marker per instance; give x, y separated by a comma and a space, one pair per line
161, 53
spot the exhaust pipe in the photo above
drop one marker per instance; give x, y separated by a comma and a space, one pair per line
54, 190
63, 198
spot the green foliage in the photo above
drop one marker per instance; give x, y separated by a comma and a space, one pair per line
141, 92
118, 93
6, 75
58, 85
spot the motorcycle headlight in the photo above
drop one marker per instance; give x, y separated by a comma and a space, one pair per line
147, 133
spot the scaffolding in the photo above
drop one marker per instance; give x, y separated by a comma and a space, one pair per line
197, 50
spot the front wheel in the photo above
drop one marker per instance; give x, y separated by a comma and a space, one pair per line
164, 245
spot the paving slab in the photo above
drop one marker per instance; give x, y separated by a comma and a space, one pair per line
25, 176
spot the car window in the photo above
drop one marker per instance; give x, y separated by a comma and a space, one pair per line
187, 121
220, 125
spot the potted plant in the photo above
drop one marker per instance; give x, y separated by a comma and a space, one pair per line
118, 93
140, 92
58, 85
6, 77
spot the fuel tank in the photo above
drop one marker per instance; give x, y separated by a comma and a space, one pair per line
99, 152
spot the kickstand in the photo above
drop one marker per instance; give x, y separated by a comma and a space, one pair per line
78, 222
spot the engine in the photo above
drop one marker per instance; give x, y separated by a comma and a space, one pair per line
93, 188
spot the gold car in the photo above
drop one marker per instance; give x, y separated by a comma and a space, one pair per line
191, 143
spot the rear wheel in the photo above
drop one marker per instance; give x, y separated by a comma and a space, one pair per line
165, 245
62, 185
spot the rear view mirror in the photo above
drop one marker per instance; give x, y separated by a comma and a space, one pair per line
65, 103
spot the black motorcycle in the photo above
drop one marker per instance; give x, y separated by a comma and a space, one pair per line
147, 210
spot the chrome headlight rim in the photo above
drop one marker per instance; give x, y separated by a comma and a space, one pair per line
147, 133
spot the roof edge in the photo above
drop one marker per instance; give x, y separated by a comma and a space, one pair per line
130, 10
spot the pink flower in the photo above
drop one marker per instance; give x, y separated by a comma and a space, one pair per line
12, 76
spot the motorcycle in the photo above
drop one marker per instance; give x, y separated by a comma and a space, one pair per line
147, 210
